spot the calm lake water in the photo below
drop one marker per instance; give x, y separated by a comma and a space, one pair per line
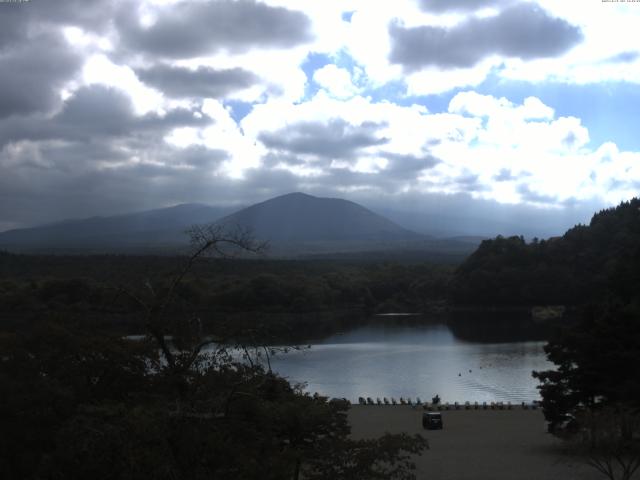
394, 360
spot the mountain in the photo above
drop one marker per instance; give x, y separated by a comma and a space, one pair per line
298, 217
294, 225
149, 229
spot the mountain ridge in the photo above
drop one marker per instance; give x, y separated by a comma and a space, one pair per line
161, 225
294, 224
301, 217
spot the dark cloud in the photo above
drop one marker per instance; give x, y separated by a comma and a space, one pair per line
30, 196
408, 166
13, 25
202, 82
95, 109
94, 15
402, 171
191, 29
505, 175
524, 31
276, 159
19, 21
469, 183
32, 73
74, 182
35, 58
97, 112
439, 6
200, 157
335, 139
529, 195
97, 157
102, 110
161, 160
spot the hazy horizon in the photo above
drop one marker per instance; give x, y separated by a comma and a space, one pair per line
485, 219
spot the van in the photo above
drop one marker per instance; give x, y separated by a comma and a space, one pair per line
432, 420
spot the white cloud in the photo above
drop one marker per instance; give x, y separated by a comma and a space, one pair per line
98, 69
432, 81
407, 128
533, 108
336, 81
545, 158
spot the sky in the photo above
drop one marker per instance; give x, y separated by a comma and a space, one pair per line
508, 110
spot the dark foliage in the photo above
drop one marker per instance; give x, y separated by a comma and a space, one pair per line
76, 403
285, 297
586, 262
596, 362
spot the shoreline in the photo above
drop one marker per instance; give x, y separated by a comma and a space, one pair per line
477, 444
446, 406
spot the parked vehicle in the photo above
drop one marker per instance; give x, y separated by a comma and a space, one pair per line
432, 420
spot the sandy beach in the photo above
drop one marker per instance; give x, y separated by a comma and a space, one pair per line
477, 444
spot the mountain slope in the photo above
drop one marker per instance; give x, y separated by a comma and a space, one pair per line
158, 227
297, 217
294, 225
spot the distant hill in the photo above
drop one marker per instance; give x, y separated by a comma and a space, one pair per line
298, 217
149, 229
294, 225
587, 262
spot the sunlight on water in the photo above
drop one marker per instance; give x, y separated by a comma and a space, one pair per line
416, 361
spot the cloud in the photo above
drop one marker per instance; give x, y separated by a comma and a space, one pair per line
477, 105
201, 82
95, 15
19, 23
95, 156
523, 31
97, 112
336, 81
32, 73
335, 139
12, 26
469, 182
193, 29
531, 196
73, 187
122, 105
505, 175
439, 6
625, 57
408, 166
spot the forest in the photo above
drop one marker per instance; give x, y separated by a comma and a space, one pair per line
587, 262
288, 295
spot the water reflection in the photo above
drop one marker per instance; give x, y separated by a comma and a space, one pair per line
395, 360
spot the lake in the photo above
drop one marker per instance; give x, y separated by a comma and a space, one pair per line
389, 359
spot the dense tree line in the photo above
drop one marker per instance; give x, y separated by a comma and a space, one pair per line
92, 287
587, 261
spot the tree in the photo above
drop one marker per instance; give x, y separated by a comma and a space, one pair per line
608, 438
595, 362
592, 398
78, 404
